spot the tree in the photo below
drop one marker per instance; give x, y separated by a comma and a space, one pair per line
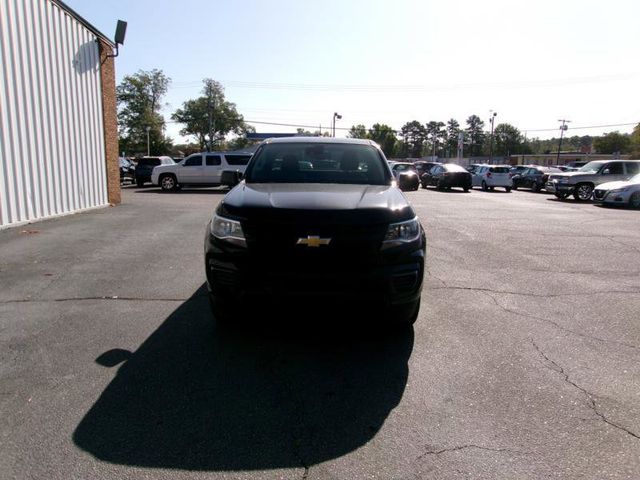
475, 134
451, 139
357, 131
435, 134
385, 136
635, 141
614, 142
507, 139
139, 99
211, 117
241, 141
413, 135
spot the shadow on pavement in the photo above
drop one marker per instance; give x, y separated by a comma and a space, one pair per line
270, 394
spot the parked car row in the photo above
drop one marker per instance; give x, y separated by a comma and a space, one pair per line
201, 169
602, 175
604, 181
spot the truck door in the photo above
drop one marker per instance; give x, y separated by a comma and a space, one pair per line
212, 169
190, 170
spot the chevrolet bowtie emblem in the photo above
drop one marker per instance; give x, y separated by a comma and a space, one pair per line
313, 241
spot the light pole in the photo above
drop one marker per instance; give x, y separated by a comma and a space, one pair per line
148, 143
339, 117
563, 128
491, 119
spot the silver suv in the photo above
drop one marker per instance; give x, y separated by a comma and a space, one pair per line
581, 183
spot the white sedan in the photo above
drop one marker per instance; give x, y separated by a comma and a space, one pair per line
619, 193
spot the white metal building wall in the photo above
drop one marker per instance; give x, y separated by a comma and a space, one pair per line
52, 154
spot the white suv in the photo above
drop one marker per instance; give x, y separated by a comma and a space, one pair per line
490, 176
200, 169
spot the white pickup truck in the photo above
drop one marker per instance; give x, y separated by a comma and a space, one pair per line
200, 169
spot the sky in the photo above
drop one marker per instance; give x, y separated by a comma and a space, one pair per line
297, 62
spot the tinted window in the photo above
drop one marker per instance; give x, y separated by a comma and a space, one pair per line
615, 168
500, 169
193, 161
149, 162
213, 160
237, 159
632, 168
318, 163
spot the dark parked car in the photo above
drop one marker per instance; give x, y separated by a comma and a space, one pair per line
518, 169
316, 234
406, 175
423, 167
146, 165
533, 177
447, 175
127, 171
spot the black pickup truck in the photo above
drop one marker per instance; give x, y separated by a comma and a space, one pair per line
318, 218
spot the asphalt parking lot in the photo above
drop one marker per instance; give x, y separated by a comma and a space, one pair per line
522, 365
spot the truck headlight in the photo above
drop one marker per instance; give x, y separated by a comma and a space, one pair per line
227, 230
401, 233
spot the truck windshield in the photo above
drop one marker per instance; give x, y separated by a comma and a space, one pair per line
318, 163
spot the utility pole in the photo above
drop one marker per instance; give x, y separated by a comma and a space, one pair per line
491, 119
563, 128
148, 143
210, 107
339, 117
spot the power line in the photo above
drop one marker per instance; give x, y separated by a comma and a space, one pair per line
580, 128
297, 125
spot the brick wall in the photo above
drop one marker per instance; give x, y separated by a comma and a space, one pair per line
110, 121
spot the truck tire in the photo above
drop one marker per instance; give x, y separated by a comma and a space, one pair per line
583, 192
168, 182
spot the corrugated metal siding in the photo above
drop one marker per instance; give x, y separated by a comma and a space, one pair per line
52, 150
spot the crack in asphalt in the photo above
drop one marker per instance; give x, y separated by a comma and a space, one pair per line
80, 299
490, 293
589, 396
558, 326
614, 240
471, 445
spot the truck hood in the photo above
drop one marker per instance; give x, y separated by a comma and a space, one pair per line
317, 198
570, 174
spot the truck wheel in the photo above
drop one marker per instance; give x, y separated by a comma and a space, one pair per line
634, 200
139, 183
484, 186
508, 189
561, 196
168, 183
583, 192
